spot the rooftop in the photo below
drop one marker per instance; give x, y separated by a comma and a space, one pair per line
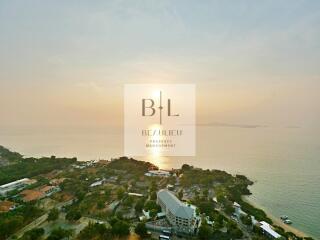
23, 180
98, 183
157, 173
30, 195
57, 181
266, 227
177, 207
46, 188
5, 206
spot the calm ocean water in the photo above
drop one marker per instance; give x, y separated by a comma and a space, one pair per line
283, 162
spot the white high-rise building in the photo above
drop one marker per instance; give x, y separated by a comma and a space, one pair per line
181, 216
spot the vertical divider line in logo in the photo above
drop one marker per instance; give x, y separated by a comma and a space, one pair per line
160, 107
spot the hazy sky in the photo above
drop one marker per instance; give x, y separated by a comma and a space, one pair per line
65, 62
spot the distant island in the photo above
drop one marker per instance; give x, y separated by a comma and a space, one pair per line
61, 198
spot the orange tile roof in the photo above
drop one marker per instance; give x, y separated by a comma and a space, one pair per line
57, 181
6, 205
46, 188
30, 195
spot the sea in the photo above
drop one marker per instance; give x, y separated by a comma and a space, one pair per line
283, 162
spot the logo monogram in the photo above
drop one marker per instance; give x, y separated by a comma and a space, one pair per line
149, 103
159, 120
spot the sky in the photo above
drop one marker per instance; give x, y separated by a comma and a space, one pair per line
64, 63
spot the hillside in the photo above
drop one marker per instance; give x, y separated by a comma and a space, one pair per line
7, 157
15, 167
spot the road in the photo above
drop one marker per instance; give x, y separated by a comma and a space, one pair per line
242, 227
38, 221
31, 225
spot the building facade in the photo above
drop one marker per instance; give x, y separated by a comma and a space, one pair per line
181, 216
16, 185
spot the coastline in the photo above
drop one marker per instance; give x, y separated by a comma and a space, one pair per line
277, 221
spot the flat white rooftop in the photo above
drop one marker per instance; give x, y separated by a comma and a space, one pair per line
266, 227
14, 183
157, 173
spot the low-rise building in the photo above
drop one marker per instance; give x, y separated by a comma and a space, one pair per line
158, 173
170, 187
135, 194
146, 215
238, 211
181, 216
209, 222
49, 190
57, 181
32, 195
97, 183
6, 206
16, 185
268, 231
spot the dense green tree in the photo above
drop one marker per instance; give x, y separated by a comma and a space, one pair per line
151, 204
206, 207
29, 167
120, 227
153, 195
120, 193
246, 220
180, 194
33, 234
228, 207
128, 201
233, 230
119, 214
130, 165
186, 167
139, 205
235, 233
153, 186
60, 233
152, 207
76, 187
259, 214
14, 220
205, 232
95, 231
260, 238
141, 229
100, 204
257, 230
153, 213
73, 215
218, 221
205, 193
53, 214
10, 225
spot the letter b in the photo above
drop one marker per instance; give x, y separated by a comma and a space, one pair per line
150, 107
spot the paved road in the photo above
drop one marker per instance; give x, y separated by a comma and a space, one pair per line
37, 221
31, 225
242, 227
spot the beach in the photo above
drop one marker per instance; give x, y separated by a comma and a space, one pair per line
276, 220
